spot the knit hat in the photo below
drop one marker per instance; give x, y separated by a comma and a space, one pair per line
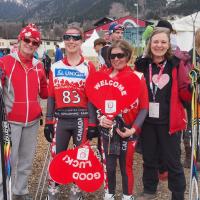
115, 26
30, 31
165, 24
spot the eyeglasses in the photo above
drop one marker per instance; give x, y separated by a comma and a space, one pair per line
28, 41
72, 37
118, 55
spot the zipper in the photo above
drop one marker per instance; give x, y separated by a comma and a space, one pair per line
27, 102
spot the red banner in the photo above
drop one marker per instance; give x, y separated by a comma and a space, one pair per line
78, 165
112, 96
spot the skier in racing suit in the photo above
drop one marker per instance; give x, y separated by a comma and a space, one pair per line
122, 144
67, 106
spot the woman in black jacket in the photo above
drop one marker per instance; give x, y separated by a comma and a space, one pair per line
167, 84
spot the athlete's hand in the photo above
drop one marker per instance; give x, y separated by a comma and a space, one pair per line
49, 132
92, 132
105, 122
127, 133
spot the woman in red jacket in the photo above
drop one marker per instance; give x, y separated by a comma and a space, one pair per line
23, 80
122, 145
168, 85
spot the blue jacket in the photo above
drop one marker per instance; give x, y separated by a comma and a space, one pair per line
58, 54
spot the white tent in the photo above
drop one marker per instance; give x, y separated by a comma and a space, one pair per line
88, 46
4, 44
184, 28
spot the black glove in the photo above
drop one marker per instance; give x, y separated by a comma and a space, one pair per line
49, 132
92, 132
120, 124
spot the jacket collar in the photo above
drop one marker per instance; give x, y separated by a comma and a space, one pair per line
16, 56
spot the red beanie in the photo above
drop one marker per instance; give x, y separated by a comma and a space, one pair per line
30, 31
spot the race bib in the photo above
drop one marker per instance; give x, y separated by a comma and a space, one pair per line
154, 109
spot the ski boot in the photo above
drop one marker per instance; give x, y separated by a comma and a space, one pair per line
108, 196
53, 193
127, 197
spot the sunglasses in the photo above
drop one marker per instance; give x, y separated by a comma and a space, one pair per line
118, 55
28, 41
72, 37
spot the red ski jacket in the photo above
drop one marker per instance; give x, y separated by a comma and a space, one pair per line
23, 85
130, 113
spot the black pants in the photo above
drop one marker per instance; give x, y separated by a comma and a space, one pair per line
156, 140
162, 166
67, 128
125, 158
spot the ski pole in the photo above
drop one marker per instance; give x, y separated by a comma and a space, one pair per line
43, 185
2, 145
194, 75
41, 175
193, 170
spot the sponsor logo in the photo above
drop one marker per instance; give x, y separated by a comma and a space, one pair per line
70, 73
80, 129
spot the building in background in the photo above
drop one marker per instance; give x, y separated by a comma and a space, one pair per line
130, 24
4, 46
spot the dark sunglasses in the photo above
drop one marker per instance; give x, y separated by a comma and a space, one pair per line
118, 55
72, 37
28, 41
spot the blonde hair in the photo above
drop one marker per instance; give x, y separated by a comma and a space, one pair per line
156, 31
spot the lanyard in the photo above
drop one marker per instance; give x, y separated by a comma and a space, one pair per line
154, 91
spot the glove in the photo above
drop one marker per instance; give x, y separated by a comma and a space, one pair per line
49, 132
120, 123
92, 132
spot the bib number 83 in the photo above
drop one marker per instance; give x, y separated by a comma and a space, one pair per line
71, 97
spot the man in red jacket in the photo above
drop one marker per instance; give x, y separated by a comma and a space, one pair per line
23, 81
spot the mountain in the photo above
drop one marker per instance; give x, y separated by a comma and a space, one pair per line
67, 11
11, 10
54, 15
73, 10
